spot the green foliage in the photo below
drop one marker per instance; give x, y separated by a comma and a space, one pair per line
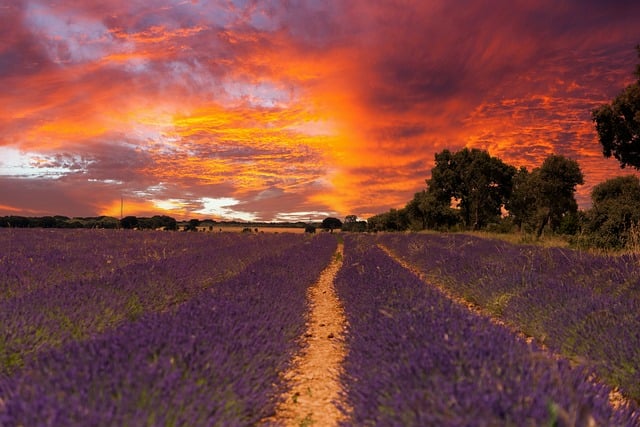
351, 223
611, 222
618, 125
504, 226
426, 211
523, 197
546, 196
157, 222
394, 220
479, 182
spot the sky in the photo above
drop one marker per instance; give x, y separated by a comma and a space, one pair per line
293, 110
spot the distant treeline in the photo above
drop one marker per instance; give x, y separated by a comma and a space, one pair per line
156, 222
60, 221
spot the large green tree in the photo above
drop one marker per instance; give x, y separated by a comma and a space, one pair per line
480, 183
615, 212
546, 195
522, 205
559, 177
618, 124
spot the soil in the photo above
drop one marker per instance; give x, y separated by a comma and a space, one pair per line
315, 393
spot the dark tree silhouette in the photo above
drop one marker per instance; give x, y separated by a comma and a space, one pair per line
618, 124
480, 183
331, 223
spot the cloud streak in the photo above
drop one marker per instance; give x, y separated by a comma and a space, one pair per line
291, 109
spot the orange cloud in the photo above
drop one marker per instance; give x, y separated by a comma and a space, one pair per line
324, 108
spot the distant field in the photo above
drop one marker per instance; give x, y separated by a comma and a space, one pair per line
297, 230
122, 327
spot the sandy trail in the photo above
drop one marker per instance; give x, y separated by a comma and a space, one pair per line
315, 374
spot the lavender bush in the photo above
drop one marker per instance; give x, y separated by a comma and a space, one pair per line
583, 305
416, 358
214, 360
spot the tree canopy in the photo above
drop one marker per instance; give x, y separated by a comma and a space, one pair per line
618, 124
351, 223
545, 195
480, 183
616, 210
331, 223
425, 210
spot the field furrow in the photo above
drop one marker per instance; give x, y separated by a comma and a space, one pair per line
583, 306
416, 358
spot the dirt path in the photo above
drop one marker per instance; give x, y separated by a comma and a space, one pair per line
314, 378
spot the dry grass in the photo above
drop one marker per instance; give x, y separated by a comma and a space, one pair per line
547, 241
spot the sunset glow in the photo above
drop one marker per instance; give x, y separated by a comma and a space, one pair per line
296, 110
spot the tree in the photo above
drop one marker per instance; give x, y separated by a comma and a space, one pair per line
480, 183
129, 222
618, 124
615, 211
545, 195
192, 225
522, 204
331, 223
394, 220
351, 223
163, 221
425, 211
558, 178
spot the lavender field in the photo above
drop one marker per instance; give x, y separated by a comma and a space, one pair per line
583, 306
150, 329
113, 327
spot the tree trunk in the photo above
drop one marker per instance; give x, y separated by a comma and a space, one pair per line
544, 222
476, 223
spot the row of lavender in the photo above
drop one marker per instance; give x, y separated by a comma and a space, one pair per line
34, 258
416, 358
213, 360
97, 295
585, 306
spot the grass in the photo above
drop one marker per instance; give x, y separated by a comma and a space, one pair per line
547, 241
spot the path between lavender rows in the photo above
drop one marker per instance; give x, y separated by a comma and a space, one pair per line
314, 377
319, 391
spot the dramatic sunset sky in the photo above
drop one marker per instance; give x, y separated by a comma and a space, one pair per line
292, 109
